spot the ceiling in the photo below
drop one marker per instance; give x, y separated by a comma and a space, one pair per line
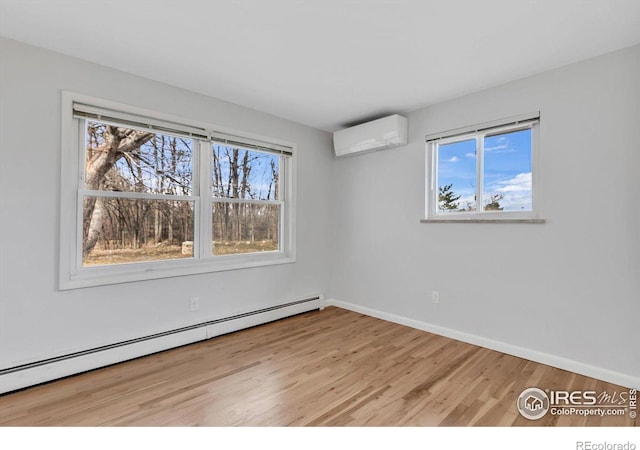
327, 63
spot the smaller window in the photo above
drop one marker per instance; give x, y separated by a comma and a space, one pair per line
246, 200
483, 172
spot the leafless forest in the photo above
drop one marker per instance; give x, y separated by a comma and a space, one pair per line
141, 206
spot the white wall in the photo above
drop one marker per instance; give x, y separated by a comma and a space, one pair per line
569, 288
36, 320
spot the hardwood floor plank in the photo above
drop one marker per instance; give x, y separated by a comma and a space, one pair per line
328, 368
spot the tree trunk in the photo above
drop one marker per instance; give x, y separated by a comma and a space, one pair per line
170, 226
117, 143
95, 227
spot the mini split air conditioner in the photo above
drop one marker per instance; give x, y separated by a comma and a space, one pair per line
378, 134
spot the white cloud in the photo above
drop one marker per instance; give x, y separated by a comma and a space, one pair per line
467, 200
516, 192
470, 155
521, 182
497, 147
502, 144
453, 159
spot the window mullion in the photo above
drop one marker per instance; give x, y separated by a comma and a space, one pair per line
80, 186
134, 195
480, 172
82, 157
205, 225
535, 176
247, 201
434, 174
79, 231
283, 165
428, 191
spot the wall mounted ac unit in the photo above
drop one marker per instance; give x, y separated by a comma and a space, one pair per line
378, 134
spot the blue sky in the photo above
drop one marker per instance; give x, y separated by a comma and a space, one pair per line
507, 169
164, 165
260, 177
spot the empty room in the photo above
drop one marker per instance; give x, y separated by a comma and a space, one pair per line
338, 214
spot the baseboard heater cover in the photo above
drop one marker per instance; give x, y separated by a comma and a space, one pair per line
25, 375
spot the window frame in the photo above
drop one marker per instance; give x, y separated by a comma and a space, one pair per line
73, 275
480, 132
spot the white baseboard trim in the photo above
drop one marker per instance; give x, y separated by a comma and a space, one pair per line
559, 362
37, 373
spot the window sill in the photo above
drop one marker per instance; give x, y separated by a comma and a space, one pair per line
476, 220
127, 273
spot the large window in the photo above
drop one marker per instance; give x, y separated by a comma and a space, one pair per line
483, 173
137, 195
145, 197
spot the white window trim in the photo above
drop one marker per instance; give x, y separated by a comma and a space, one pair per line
72, 275
514, 123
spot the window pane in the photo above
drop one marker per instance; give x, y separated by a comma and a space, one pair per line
241, 173
119, 230
245, 228
507, 172
124, 159
456, 176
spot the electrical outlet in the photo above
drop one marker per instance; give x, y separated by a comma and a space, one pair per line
435, 297
194, 304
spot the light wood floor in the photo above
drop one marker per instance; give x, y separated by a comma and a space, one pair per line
330, 368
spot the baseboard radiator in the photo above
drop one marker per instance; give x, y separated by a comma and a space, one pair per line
33, 373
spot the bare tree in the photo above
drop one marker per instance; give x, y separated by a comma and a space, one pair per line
122, 159
243, 174
116, 143
494, 202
